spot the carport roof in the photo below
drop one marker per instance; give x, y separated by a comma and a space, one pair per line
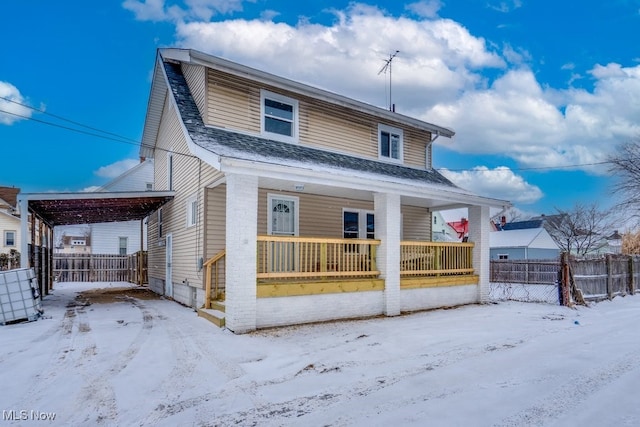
88, 208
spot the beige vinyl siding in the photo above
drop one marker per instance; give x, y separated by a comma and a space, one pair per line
415, 142
337, 129
195, 76
234, 103
156, 252
216, 219
190, 175
416, 223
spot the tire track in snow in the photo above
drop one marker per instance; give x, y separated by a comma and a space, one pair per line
571, 394
185, 361
98, 397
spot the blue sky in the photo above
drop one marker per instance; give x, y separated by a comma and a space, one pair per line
538, 92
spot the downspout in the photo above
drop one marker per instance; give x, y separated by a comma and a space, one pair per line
24, 229
427, 157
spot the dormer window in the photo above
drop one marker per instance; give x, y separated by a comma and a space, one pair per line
390, 143
279, 117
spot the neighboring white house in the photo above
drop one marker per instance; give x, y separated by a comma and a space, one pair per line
441, 231
9, 220
127, 237
528, 243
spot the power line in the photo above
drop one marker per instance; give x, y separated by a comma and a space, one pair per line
126, 140
65, 119
577, 165
121, 139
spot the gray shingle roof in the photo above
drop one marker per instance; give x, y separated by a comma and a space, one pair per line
228, 143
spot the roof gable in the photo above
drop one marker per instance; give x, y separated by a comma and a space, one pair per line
537, 238
10, 195
248, 147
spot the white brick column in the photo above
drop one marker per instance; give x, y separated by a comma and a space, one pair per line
387, 224
479, 229
241, 246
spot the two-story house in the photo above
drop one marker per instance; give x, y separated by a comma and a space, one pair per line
294, 204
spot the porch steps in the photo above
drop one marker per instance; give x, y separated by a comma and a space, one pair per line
215, 314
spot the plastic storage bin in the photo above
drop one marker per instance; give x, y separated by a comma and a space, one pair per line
19, 296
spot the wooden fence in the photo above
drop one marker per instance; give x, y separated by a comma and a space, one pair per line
606, 277
597, 278
527, 271
100, 268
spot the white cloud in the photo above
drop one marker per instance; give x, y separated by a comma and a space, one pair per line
505, 6
500, 183
436, 59
116, 169
147, 10
516, 117
161, 10
425, 8
439, 75
10, 109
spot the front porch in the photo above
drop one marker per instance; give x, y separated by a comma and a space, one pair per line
325, 252
290, 266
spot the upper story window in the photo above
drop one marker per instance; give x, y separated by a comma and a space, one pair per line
390, 143
279, 116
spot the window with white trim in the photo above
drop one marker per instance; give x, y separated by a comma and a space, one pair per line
9, 238
390, 142
358, 224
279, 116
192, 210
122, 245
159, 222
170, 172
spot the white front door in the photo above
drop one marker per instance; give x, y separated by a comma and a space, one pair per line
283, 215
283, 221
168, 283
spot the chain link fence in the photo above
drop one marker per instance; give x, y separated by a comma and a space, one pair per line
525, 280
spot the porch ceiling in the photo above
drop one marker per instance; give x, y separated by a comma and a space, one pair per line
87, 208
350, 193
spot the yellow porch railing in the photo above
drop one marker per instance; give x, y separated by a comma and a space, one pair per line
418, 258
212, 269
289, 257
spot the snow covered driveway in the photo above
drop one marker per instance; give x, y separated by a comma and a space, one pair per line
131, 358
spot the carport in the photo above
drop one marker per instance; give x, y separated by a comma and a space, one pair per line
41, 212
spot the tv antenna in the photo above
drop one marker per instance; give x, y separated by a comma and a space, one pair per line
385, 67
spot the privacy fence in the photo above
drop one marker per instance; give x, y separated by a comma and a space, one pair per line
566, 280
100, 268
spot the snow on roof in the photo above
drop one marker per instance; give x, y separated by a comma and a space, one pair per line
525, 238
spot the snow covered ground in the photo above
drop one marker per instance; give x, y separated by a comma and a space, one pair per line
134, 359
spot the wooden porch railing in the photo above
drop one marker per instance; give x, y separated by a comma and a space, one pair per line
288, 257
212, 269
418, 258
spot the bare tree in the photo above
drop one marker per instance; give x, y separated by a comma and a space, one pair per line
626, 165
580, 230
